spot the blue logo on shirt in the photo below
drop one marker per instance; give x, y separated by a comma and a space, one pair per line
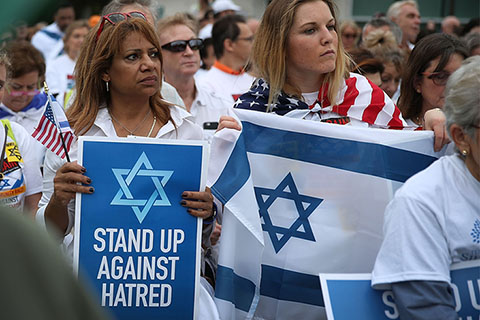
476, 231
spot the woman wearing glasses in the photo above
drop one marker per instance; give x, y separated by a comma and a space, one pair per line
430, 64
181, 55
22, 102
118, 76
349, 31
20, 176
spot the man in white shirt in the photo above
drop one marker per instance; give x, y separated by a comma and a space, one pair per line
232, 42
406, 15
181, 60
49, 39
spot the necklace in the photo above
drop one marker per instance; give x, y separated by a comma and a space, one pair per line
153, 126
132, 132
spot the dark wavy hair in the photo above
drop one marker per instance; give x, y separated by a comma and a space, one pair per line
426, 50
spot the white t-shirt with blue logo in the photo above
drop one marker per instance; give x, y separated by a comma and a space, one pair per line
433, 221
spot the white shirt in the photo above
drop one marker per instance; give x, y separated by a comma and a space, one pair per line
228, 85
59, 76
48, 39
432, 222
209, 107
29, 119
185, 129
170, 94
22, 178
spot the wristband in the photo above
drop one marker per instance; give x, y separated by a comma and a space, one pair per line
213, 217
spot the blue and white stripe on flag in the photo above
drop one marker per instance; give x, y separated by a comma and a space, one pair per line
302, 198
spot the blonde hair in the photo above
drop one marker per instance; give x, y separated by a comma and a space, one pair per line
95, 59
351, 24
270, 49
79, 24
177, 19
380, 40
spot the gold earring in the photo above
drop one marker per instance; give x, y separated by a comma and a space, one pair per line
464, 153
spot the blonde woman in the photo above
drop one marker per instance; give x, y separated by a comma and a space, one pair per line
350, 33
303, 70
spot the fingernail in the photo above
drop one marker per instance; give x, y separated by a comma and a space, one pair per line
183, 202
84, 170
91, 190
89, 180
184, 195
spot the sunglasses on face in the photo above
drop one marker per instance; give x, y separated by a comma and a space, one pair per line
19, 93
181, 45
349, 35
439, 78
116, 17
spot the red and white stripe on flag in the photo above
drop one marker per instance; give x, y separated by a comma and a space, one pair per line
48, 134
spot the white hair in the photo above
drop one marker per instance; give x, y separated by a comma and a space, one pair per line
462, 101
394, 9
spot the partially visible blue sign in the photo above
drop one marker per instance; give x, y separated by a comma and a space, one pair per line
350, 296
136, 244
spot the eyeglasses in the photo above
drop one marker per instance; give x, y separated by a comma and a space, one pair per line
439, 78
251, 38
181, 45
116, 17
349, 35
18, 93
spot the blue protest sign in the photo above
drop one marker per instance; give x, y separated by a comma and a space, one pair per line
350, 296
136, 244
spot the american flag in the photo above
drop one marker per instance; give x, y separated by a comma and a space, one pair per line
358, 99
48, 132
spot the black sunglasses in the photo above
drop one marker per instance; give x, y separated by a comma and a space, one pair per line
181, 45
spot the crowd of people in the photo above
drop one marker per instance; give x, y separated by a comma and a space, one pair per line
127, 73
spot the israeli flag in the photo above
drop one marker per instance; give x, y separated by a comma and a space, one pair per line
302, 198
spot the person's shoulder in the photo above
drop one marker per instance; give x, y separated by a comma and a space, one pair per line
18, 130
206, 92
428, 182
185, 123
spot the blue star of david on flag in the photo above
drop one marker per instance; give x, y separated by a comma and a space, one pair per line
124, 196
304, 205
4, 183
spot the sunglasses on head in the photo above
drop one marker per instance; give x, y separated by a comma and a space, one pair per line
439, 78
116, 17
181, 45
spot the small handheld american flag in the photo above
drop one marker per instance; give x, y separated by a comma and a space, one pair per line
53, 129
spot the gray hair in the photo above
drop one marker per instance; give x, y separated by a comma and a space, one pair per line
462, 101
472, 40
394, 9
383, 21
117, 5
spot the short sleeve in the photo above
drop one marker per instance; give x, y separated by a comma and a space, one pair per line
414, 245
